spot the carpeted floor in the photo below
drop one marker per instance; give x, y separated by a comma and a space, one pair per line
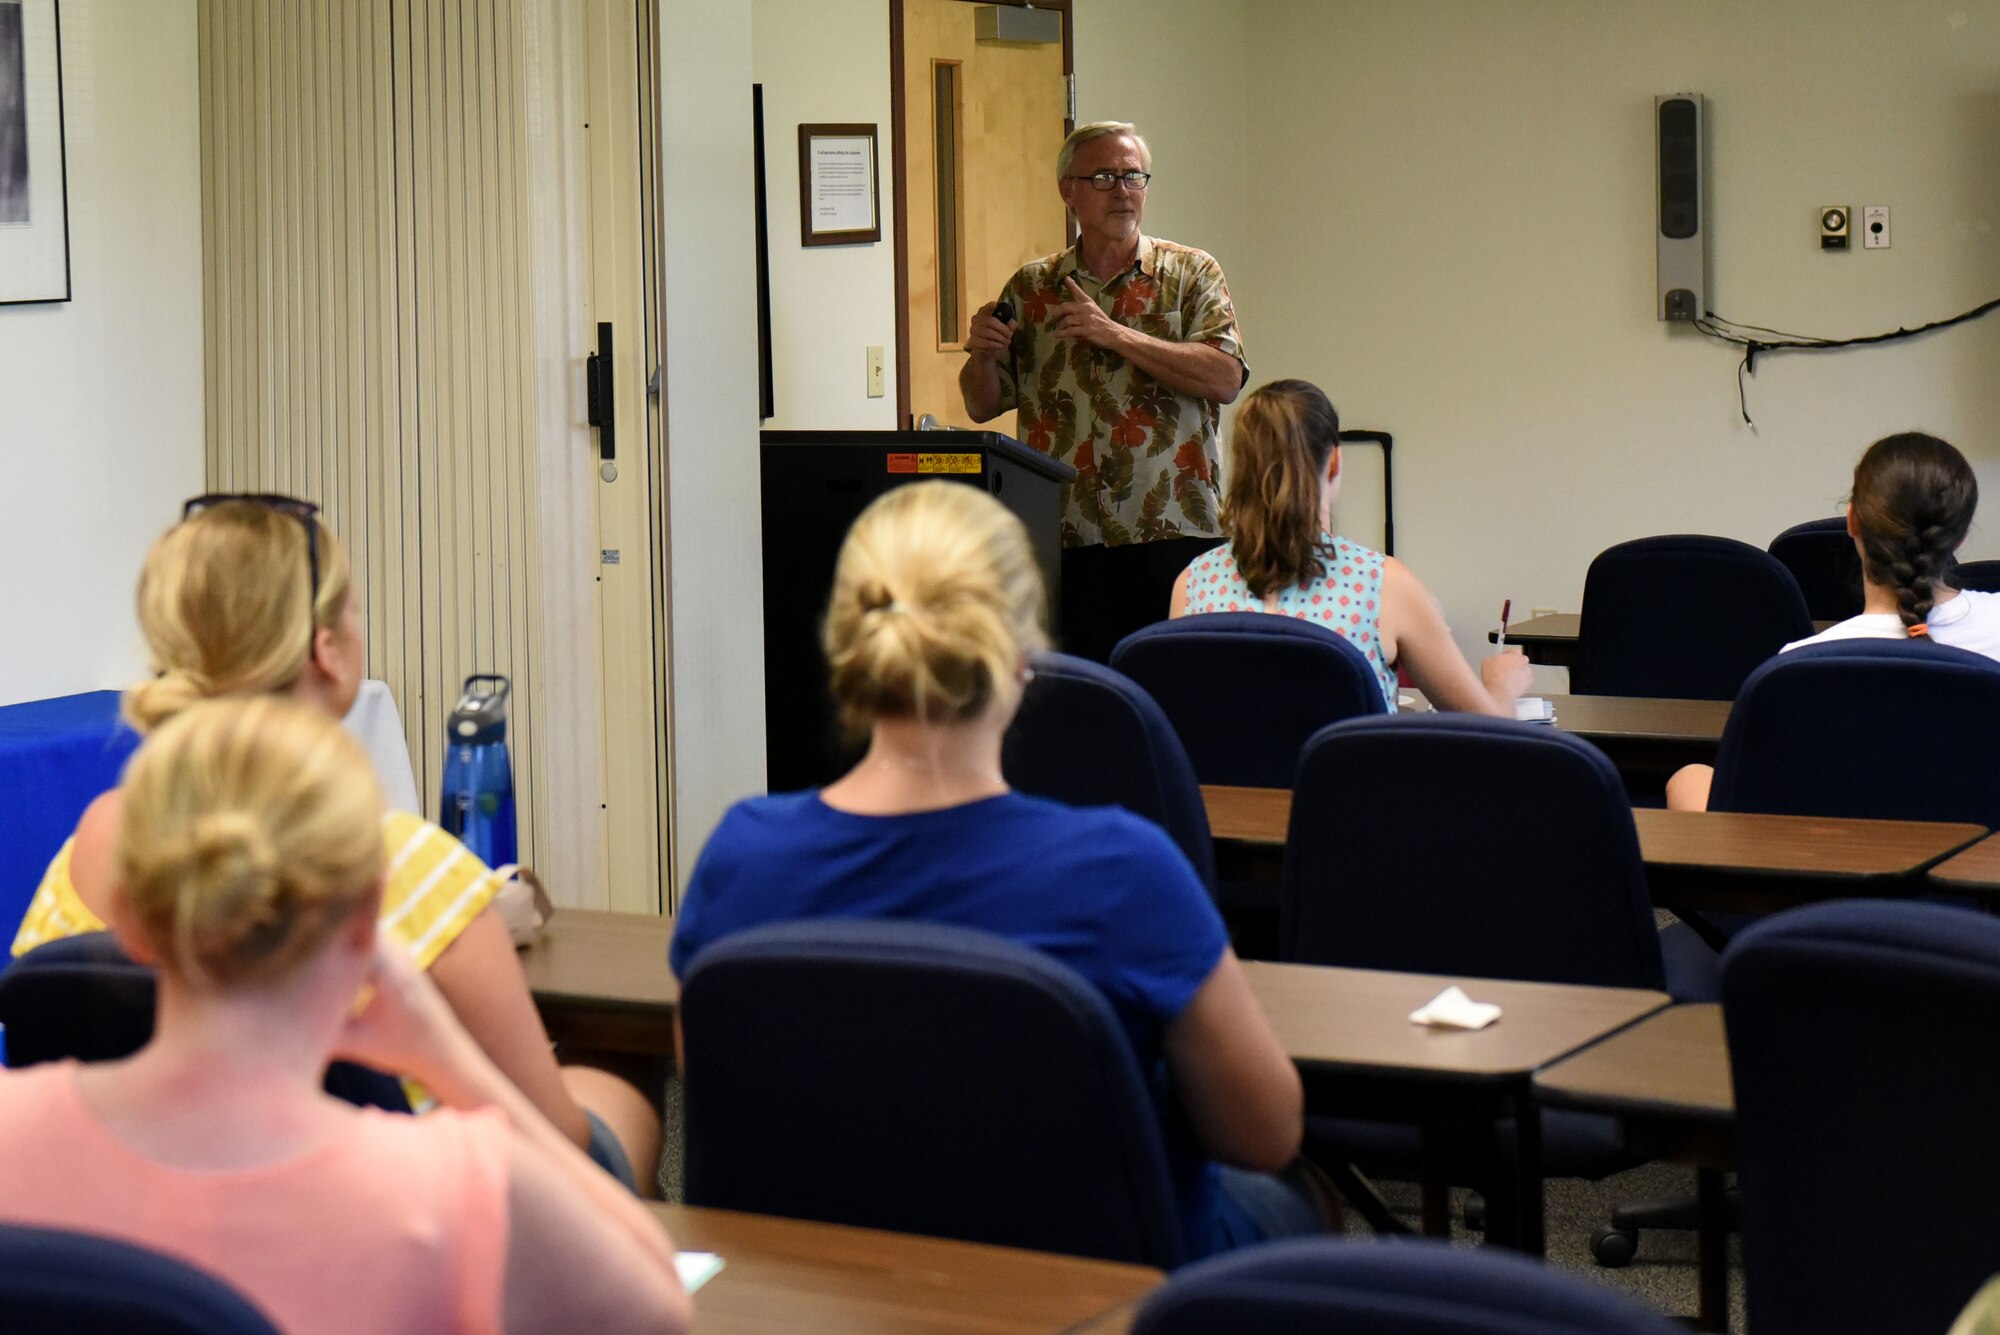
1663, 1275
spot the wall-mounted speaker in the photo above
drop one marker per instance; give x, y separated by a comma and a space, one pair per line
1679, 170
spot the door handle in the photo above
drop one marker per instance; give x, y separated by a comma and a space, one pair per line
603, 402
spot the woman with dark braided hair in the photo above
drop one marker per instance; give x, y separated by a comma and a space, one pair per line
1912, 503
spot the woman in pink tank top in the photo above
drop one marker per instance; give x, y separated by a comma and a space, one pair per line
1282, 557
249, 866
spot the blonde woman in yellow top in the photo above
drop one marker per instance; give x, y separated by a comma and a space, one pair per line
250, 595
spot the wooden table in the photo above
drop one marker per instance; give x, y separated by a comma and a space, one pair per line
1975, 871
1667, 1080
1550, 639
1349, 1032
1554, 639
789, 1275
1743, 862
601, 981
1646, 739
1717, 860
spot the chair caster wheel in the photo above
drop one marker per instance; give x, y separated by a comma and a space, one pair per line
1614, 1248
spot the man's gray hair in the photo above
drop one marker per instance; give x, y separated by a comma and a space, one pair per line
1083, 134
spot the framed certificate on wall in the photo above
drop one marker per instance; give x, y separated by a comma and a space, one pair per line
840, 202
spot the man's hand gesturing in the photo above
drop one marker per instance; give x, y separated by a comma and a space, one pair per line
988, 339
1081, 320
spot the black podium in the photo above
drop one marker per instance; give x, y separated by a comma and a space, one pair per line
814, 485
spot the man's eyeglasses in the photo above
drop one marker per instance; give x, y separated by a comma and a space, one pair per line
304, 511
1103, 181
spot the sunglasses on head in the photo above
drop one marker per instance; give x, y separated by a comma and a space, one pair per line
304, 511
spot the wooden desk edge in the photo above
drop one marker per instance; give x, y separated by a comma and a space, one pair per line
665, 1212
1919, 868
1986, 885
1657, 1002
1635, 1107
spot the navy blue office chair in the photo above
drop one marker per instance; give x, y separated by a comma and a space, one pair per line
80, 1284
1822, 559
1394, 1288
1686, 617
1089, 736
81, 997
1861, 1041
1406, 852
921, 1078
1982, 576
1889, 729
1246, 689
1457, 844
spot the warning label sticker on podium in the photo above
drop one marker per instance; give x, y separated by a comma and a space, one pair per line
934, 463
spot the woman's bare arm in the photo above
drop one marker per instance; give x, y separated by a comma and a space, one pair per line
1239, 1089
480, 975
1414, 634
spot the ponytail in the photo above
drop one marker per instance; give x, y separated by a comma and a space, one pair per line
1285, 432
250, 829
936, 600
1914, 496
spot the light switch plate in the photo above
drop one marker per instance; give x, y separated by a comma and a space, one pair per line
1875, 227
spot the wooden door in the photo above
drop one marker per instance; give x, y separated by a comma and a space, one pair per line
621, 252
982, 124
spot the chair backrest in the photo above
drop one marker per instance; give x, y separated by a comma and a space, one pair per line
921, 1078
1981, 576
1861, 1040
1684, 616
1822, 559
81, 1284
82, 997
1890, 729
1464, 845
1089, 736
1386, 1288
1246, 689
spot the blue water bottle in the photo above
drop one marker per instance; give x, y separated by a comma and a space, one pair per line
478, 803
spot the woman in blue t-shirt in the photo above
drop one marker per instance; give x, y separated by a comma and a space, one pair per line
936, 607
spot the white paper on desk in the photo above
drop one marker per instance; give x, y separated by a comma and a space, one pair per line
1452, 1009
696, 1268
1535, 709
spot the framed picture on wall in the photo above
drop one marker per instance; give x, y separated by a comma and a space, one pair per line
34, 178
839, 200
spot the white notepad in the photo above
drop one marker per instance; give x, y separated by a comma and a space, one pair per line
696, 1268
1535, 709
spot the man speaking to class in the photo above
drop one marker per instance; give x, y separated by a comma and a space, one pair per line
1119, 356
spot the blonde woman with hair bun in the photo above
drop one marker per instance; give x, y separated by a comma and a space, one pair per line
936, 609
249, 864
251, 596
1283, 557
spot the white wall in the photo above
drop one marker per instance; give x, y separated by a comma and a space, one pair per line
1177, 69
101, 397
1450, 222
711, 414
826, 62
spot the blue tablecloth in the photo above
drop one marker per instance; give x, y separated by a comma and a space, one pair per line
55, 756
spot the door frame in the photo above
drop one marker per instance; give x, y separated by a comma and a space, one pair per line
898, 143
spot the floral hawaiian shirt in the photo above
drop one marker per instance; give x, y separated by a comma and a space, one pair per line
1145, 455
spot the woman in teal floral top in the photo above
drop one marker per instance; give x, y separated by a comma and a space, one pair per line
1283, 558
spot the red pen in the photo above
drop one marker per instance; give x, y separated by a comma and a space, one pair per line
1505, 607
